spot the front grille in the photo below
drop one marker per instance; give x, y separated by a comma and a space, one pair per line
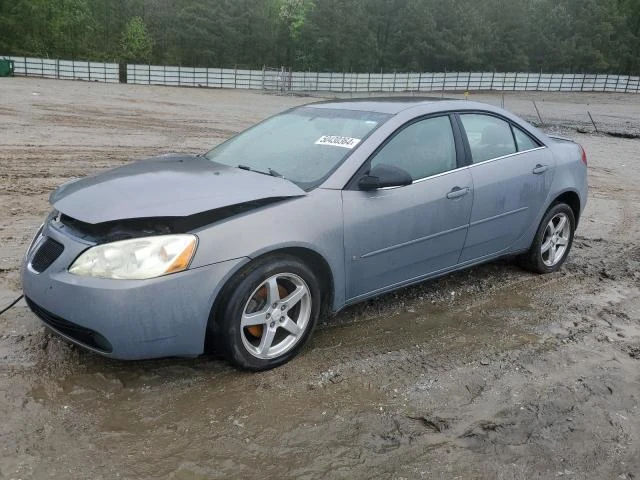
80, 334
48, 252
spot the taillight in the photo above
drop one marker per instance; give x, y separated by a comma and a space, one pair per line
584, 155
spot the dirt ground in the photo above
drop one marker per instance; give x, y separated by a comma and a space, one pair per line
489, 373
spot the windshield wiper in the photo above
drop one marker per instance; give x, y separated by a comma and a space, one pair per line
273, 173
270, 171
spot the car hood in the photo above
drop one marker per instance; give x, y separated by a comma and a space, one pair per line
166, 186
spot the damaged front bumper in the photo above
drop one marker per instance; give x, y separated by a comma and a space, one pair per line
123, 319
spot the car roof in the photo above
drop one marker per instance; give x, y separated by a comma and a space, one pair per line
390, 105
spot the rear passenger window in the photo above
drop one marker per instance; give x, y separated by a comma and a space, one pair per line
489, 137
524, 141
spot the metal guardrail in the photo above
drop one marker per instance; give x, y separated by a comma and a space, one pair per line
65, 69
280, 80
195, 77
461, 81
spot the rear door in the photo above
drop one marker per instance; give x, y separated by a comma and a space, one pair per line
512, 175
396, 235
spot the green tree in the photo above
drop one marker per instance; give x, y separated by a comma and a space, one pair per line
136, 44
46, 27
340, 35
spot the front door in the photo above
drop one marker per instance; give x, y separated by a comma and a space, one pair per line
396, 235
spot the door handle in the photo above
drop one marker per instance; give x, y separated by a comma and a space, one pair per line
540, 169
457, 192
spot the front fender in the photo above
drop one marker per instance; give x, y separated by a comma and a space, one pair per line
313, 222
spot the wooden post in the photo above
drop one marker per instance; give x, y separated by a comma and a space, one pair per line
594, 123
444, 82
538, 112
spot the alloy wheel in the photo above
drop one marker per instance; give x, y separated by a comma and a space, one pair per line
276, 316
555, 239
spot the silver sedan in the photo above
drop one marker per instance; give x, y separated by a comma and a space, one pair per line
316, 208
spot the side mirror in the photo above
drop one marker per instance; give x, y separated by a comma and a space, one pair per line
383, 176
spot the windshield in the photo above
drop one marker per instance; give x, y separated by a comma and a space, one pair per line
303, 145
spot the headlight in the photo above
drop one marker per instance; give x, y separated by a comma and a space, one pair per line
138, 258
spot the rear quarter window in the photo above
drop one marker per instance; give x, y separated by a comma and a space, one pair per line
524, 141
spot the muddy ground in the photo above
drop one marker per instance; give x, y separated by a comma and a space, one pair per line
489, 373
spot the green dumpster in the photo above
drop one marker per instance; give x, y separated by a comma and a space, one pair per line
6, 68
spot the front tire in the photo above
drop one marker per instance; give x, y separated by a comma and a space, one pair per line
268, 312
553, 240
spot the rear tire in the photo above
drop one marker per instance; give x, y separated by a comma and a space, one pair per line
267, 313
553, 240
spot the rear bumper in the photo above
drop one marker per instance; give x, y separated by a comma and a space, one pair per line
125, 319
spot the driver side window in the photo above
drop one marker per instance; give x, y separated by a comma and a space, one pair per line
422, 149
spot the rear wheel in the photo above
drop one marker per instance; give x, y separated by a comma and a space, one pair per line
553, 240
268, 312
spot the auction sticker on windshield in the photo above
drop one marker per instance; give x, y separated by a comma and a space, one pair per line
337, 141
